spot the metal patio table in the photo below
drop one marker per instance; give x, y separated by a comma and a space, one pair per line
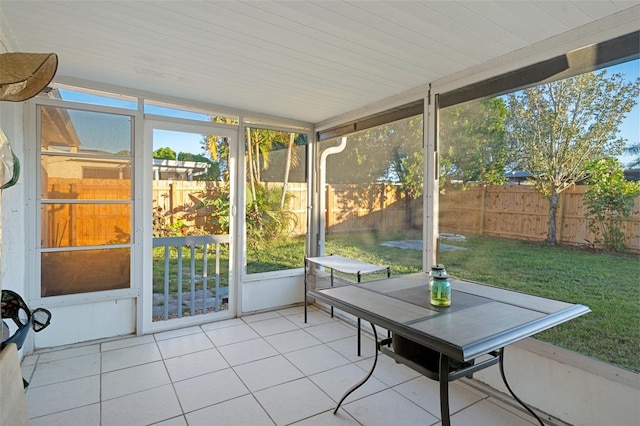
481, 321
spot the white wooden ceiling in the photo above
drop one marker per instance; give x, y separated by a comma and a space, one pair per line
304, 60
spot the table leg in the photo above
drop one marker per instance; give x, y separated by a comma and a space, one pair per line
364, 379
305, 290
359, 322
359, 334
331, 286
504, 379
444, 390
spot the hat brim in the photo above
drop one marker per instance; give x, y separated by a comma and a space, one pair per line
24, 75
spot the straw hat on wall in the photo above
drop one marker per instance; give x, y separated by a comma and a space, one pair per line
24, 75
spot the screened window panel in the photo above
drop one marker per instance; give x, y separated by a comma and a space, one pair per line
76, 225
86, 200
84, 271
85, 132
73, 178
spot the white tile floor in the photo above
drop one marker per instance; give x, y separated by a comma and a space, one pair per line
264, 369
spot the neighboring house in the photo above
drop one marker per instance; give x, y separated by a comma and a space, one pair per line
632, 175
178, 170
521, 177
518, 177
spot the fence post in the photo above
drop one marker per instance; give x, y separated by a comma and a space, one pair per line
171, 203
483, 209
382, 206
329, 206
73, 209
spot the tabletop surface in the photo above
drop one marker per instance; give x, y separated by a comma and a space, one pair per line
345, 265
480, 319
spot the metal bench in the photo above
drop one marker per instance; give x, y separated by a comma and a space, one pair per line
344, 265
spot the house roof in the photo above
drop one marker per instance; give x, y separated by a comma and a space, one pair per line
309, 61
186, 168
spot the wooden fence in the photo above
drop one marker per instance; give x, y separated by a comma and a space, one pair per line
379, 207
512, 211
78, 224
518, 211
183, 202
180, 202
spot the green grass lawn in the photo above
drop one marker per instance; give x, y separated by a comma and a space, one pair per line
609, 284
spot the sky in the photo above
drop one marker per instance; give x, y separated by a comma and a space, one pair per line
630, 128
187, 142
177, 141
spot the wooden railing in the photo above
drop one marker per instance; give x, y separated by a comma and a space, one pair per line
198, 275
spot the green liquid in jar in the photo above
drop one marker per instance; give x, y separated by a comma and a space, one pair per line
441, 292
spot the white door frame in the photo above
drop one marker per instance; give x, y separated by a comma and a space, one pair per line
145, 302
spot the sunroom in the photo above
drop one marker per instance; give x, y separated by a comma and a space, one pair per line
177, 129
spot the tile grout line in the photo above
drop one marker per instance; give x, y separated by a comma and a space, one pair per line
173, 386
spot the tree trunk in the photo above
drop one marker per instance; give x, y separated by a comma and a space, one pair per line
251, 170
553, 209
287, 169
258, 168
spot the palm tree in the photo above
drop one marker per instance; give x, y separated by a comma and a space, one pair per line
292, 160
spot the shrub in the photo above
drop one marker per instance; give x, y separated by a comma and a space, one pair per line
609, 201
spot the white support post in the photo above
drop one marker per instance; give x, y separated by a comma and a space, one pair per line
431, 182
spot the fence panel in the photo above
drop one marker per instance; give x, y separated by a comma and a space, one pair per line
297, 205
468, 214
519, 211
376, 207
71, 224
512, 211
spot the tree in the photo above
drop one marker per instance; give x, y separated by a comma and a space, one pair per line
376, 154
267, 219
609, 201
259, 143
164, 154
264, 218
411, 174
292, 160
556, 128
213, 172
472, 142
198, 158
217, 148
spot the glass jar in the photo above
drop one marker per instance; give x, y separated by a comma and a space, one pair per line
440, 290
435, 271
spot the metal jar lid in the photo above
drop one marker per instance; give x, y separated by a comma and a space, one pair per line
441, 277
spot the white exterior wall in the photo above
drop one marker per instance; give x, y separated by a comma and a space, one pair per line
272, 292
12, 208
567, 385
